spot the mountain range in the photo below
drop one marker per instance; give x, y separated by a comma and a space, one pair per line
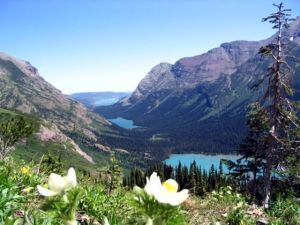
199, 103
64, 123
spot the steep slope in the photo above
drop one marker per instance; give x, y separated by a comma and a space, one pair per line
48, 139
188, 73
23, 89
200, 102
88, 134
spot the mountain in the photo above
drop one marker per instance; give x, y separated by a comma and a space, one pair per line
62, 120
23, 89
93, 99
200, 102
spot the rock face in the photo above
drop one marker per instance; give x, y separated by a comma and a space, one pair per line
217, 62
22, 88
200, 101
187, 73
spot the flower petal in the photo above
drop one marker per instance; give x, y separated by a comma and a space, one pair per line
153, 185
106, 221
71, 222
164, 196
179, 197
70, 179
149, 222
46, 192
56, 182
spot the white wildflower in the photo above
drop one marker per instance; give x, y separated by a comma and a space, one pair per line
58, 184
165, 192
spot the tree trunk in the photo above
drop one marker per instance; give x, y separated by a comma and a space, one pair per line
267, 184
253, 196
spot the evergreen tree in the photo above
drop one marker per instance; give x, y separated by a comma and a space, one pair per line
13, 130
185, 175
281, 115
252, 149
200, 185
192, 178
115, 174
195, 178
132, 178
212, 178
179, 176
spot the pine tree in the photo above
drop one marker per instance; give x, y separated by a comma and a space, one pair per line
252, 149
185, 175
115, 174
192, 178
281, 114
212, 178
179, 176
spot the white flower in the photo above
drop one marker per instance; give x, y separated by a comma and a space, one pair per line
58, 184
149, 222
106, 221
71, 222
217, 223
165, 192
225, 215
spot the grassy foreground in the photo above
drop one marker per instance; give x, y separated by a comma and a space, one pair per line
92, 201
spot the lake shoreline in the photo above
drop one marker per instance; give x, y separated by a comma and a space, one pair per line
204, 160
202, 153
124, 123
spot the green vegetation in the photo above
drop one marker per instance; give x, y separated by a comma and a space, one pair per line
86, 200
34, 148
99, 197
66, 202
13, 130
194, 178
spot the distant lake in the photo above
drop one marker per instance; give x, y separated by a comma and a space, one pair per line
106, 101
205, 161
121, 122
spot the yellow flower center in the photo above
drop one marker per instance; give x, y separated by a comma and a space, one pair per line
25, 170
170, 185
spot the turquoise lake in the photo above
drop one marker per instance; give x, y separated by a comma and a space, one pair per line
205, 161
121, 122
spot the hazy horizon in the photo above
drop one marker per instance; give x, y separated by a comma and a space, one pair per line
92, 46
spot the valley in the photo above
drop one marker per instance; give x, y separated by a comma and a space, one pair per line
199, 103
72, 131
209, 133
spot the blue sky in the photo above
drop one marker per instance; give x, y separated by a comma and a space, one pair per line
101, 45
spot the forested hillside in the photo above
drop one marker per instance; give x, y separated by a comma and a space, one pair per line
200, 102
